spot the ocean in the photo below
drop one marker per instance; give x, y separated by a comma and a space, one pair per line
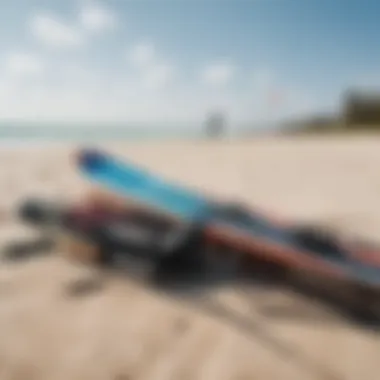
88, 133
18, 134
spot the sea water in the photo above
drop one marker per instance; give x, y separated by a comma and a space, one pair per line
13, 134
33, 134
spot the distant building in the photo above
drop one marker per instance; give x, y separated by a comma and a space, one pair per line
215, 125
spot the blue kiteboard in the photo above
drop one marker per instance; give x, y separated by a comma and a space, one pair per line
129, 180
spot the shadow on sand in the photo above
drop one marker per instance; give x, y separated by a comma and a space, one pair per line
196, 290
197, 285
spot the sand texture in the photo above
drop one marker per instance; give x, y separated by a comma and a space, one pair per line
123, 331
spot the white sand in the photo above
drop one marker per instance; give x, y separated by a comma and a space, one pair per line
125, 332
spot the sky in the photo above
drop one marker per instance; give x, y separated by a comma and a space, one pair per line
170, 62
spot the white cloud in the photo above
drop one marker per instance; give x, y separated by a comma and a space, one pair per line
158, 76
83, 94
103, 98
96, 18
263, 78
23, 64
152, 70
218, 74
142, 55
50, 30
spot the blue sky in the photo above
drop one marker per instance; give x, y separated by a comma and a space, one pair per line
161, 61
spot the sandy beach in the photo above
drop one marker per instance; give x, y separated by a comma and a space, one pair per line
125, 332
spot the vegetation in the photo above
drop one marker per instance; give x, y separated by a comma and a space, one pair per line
360, 112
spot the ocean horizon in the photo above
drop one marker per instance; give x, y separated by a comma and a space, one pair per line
21, 134
92, 132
